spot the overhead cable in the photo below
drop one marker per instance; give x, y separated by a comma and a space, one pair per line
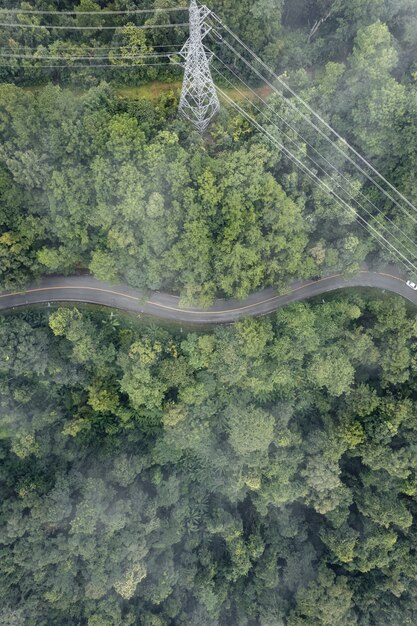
317, 116
381, 239
115, 66
97, 13
32, 57
332, 143
86, 47
52, 27
413, 251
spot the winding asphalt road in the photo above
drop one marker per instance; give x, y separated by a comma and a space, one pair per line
85, 289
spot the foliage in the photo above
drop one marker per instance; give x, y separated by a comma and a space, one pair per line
259, 475
214, 478
224, 215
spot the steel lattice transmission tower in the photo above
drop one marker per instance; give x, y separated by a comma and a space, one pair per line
199, 101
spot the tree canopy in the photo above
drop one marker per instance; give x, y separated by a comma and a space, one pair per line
262, 474
259, 474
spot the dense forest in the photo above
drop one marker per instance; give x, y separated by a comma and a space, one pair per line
289, 34
262, 474
119, 185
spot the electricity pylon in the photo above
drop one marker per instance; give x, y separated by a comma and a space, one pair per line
199, 101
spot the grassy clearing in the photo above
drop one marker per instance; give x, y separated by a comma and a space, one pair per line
149, 91
155, 89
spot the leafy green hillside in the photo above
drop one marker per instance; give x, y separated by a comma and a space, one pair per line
262, 474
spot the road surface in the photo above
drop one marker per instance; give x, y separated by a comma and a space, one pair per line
85, 289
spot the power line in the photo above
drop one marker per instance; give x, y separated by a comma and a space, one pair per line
352, 197
89, 67
314, 177
96, 48
125, 12
78, 58
411, 252
316, 115
333, 144
144, 27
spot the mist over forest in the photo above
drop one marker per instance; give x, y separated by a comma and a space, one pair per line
257, 474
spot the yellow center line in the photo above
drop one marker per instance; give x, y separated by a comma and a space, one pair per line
401, 280
191, 312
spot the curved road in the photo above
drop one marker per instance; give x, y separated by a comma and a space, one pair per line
86, 289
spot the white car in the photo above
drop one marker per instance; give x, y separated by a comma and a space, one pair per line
411, 285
